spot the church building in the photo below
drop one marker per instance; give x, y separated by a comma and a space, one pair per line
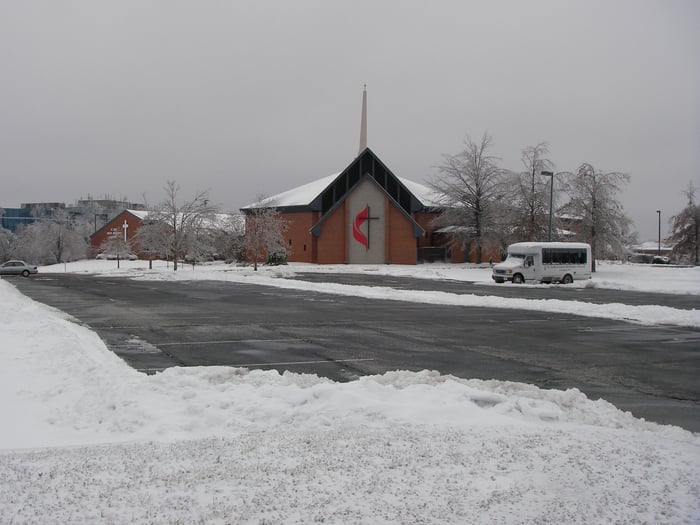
363, 215
123, 227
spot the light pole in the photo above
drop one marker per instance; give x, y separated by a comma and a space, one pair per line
658, 212
551, 200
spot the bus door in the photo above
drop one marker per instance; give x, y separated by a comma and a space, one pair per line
529, 266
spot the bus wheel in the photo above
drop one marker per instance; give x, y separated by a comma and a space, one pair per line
518, 279
567, 279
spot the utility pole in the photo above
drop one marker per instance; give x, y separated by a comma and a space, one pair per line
551, 200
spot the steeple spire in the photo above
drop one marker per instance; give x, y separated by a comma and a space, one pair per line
363, 123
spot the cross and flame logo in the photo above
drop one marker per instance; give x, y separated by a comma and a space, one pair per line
356, 232
360, 219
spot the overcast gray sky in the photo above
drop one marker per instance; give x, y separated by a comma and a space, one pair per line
248, 98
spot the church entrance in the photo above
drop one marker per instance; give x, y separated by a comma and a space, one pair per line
367, 224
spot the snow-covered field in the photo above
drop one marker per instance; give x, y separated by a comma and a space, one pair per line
86, 439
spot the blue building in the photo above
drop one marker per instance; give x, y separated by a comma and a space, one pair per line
13, 218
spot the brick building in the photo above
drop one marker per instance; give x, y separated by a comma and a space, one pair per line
124, 226
362, 215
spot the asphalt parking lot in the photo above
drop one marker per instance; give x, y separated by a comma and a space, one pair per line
651, 371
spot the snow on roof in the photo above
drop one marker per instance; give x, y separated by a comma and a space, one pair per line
141, 214
217, 220
650, 246
304, 195
457, 229
423, 193
300, 196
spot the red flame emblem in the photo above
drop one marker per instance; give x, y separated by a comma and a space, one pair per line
356, 232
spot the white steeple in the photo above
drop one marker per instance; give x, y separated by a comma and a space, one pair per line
363, 123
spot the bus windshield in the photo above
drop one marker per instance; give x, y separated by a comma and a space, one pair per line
516, 256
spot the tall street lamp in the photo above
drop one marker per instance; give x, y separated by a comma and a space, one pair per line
551, 196
658, 212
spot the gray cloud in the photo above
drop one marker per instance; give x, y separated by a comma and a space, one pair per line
242, 99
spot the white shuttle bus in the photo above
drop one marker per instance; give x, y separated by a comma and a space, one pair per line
546, 262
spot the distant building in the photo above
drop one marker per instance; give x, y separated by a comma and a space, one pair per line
650, 252
124, 226
94, 211
12, 218
100, 211
27, 213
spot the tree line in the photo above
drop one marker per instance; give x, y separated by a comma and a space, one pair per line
175, 229
489, 207
483, 206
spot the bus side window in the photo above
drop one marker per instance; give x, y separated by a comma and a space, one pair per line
529, 261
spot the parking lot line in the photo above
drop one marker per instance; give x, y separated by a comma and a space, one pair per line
188, 343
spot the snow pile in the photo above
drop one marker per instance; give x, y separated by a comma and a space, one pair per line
222, 444
647, 278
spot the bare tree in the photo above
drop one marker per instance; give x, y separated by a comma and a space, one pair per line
51, 239
230, 240
117, 246
64, 243
6, 242
152, 238
530, 212
685, 235
599, 217
179, 225
264, 233
470, 186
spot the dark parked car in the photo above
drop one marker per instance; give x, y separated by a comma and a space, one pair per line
17, 268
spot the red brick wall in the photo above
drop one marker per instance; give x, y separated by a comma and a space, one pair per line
114, 227
401, 243
487, 251
458, 255
298, 238
332, 244
424, 220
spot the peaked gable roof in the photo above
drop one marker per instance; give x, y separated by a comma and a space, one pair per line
417, 230
138, 214
322, 194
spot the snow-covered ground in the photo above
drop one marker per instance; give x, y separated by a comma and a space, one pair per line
610, 275
86, 439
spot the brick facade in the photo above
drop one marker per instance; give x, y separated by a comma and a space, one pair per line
115, 228
331, 245
299, 241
